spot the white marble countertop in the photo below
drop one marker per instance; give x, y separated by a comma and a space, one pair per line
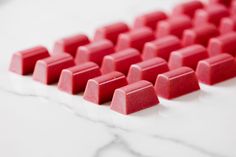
40, 121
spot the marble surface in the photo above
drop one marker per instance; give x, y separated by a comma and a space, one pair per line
40, 121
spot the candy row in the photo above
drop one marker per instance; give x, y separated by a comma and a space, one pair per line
157, 57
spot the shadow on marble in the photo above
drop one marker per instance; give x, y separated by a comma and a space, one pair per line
3, 2
226, 84
196, 95
147, 112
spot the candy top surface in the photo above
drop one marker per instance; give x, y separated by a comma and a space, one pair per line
129, 89
97, 46
147, 64
60, 58
108, 77
177, 73
138, 34
82, 67
190, 50
218, 59
226, 37
32, 51
73, 39
164, 41
123, 54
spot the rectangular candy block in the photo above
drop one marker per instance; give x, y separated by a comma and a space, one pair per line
187, 8
176, 83
147, 70
70, 44
161, 47
134, 97
48, 70
100, 89
149, 19
223, 44
199, 35
73, 80
94, 52
173, 26
188, 56
211, 14
135, 39
23, 62
227, 25
120, 61
111, 31
216, 69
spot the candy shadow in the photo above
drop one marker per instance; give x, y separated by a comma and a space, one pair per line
147, 112
226, 84
3, 2
194, 96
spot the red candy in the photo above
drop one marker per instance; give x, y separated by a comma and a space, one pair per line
173, 26
23, 62
188, 56
100, 89
223, 44
70, 44
161, 47
227, 25
111, 32
224, 2
73, 80
187, 8
233, 8
120, 61
48, 70
216, 69
149, 19
94, 52
211, 14
134, 97
135, 39
176, 83
159, 50
147, 70
199, 35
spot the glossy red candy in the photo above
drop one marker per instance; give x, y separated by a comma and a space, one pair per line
94, 52
120, 61
70, 44
233, 8
135, 39
73, 80
149, 19
48, 70
211, 14
176, 83
223, 44
100, 89
199, 35
147, 70
173, 26
188, 56
161, 47
227, 25
23, 62
216, 69
224, 2
187, 8
134, 97
111, 31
